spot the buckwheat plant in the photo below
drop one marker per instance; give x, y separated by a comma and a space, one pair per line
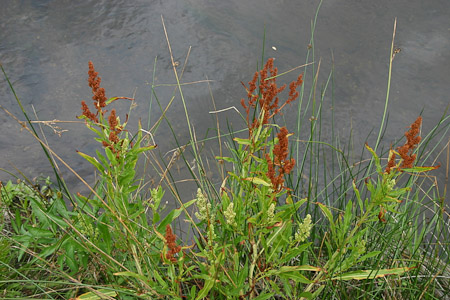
348, 232
114, 206
256, 213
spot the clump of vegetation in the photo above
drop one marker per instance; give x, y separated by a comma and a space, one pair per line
259, 234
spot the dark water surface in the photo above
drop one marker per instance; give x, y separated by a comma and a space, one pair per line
45, 47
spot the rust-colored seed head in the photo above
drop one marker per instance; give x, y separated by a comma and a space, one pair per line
171, 244
114, 128
269, 104
88, 113
98, 95
112, 120
113, 137
391, 162
280, 160
280, 150
412, 141
293, 94
98, 92
267, 97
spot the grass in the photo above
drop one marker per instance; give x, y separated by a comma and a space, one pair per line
292, 216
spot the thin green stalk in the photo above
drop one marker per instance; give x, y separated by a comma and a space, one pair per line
151, 94
179, 87
386, 103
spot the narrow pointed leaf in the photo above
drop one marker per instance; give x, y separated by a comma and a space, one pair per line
257, 181
371, 274
93, 161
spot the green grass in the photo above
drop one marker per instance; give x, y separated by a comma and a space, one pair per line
293, 215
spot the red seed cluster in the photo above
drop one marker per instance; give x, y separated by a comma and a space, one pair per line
280, 161
97, 91
88, 113
406, 151
171, 244
412, 141
267, 99
100, 102
391, 162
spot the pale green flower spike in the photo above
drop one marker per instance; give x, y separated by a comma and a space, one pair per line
304, 229
211, 233
87, 229
391, 184
230, 215
204, 207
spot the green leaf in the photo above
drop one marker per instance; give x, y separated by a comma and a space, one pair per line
257, 181
193, 291
292, 273
137, 213
300, 268
287, 210
101, 294
143, 149
264, 296
371, 274
49, 250
329, 216
209, 283
297, 277
318, 291
242, 141
161, 281
420, 169
157, 195
348, 215
295, 252
83, 259
275, 286
59, 206
126, 177
40, 233
25, 240
70, 247
376, 158
369, 255
38, 211
89, 125
227, 159
306, 295
173, 215
132, 274
358, 196
102, 159
156, 218
93, 161
111, 156
243, 273
185, 205
105, 234
130, 189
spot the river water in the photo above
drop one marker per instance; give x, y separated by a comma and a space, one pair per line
46, 45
